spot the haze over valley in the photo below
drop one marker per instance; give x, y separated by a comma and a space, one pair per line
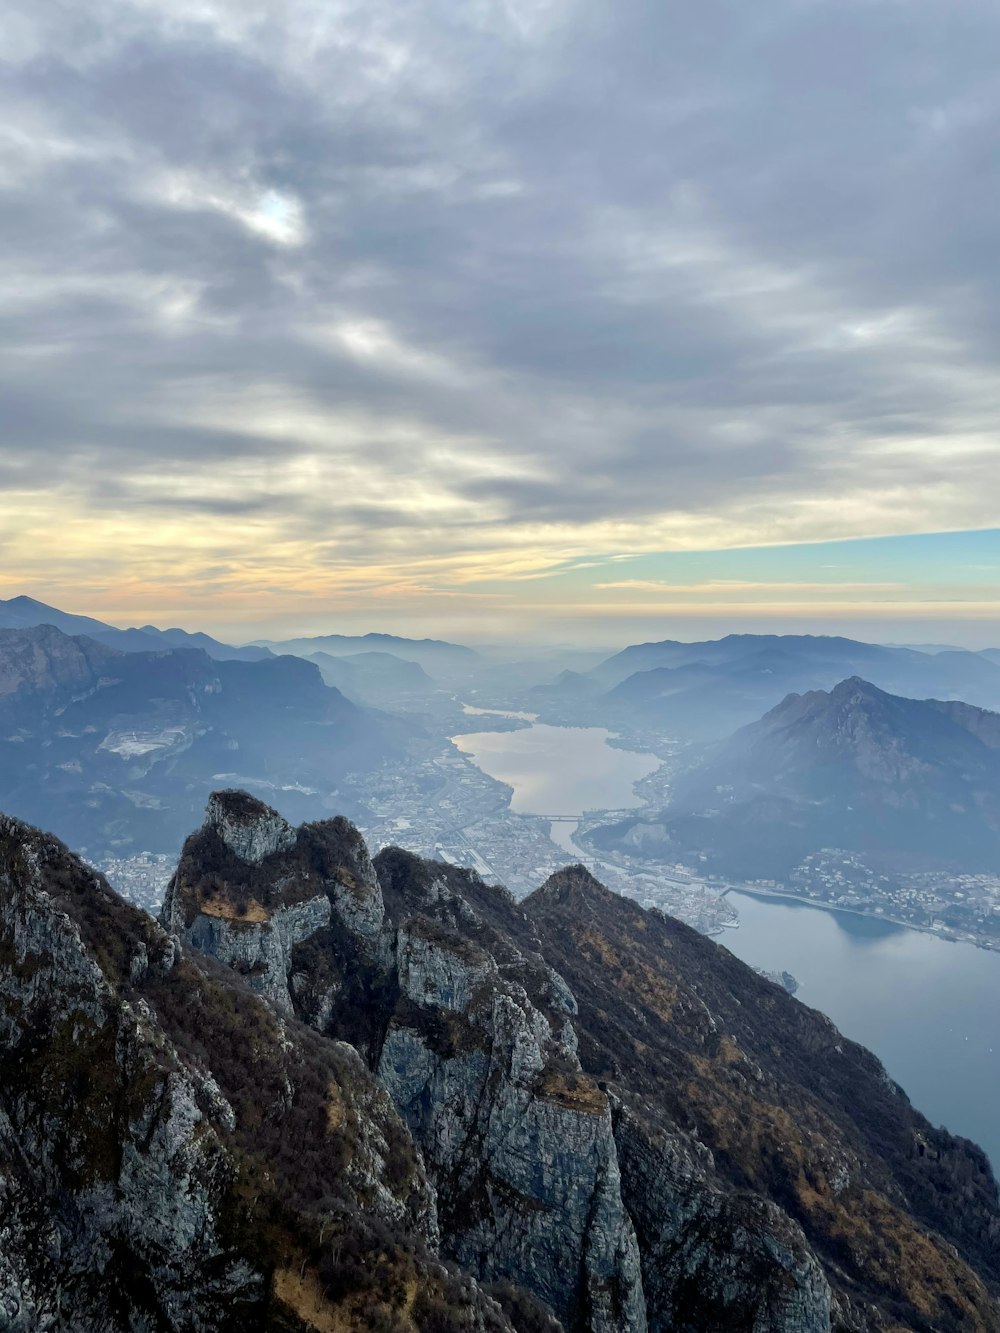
848, 798
499, 667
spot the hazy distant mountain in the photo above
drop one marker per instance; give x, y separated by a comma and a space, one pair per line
115, 750
929, 647
913, 783
440, 659
707, 690
26, 612
379, 678
221, 652
40, 662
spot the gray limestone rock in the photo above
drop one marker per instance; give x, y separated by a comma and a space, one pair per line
261, 951
520, 1145
247, 826
129, 1180
709, 1255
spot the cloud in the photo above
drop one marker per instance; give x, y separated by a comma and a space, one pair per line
714, 586
294, 287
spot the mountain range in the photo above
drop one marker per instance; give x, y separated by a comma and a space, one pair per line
448, 662
911, 784
445, 661
704, 691
330, 1093
381, 679
27, 613
117, 750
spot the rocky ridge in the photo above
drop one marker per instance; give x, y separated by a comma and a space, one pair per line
331, 1094
613, 1112
176, 1155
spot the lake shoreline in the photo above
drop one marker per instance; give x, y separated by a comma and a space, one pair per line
926, 1011
778, 895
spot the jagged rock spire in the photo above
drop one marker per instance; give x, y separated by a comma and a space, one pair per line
248, 827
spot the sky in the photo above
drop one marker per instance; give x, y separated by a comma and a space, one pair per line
556, 318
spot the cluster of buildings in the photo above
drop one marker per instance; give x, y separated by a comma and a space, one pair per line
440, 805
955, 906
443, 807
426, 804
142, 879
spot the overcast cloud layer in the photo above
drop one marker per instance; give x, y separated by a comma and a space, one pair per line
416, 300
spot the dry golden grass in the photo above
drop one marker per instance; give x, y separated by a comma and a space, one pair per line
346, 876
335, 1113
301, 1292
643, 981
882, 1239
221, 906
575, 1092
304, 1296
729, 1052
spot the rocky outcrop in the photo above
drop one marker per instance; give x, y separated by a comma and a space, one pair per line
261, 951
709, 1254
772, 1169
517, 1143
176, 1156
614, 1134
249, 828
107, 1143
246, 892
591, 1109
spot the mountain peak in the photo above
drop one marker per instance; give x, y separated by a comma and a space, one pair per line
251, 829
901, 781
814, 704
854, 687
664, 1138
575, 888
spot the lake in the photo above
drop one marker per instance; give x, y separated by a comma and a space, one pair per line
926, 1007
559, 770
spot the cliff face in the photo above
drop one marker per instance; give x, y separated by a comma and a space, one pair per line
518, 1143
712, 1061
175, 1155
42, 660
612, 1111
324, 1080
